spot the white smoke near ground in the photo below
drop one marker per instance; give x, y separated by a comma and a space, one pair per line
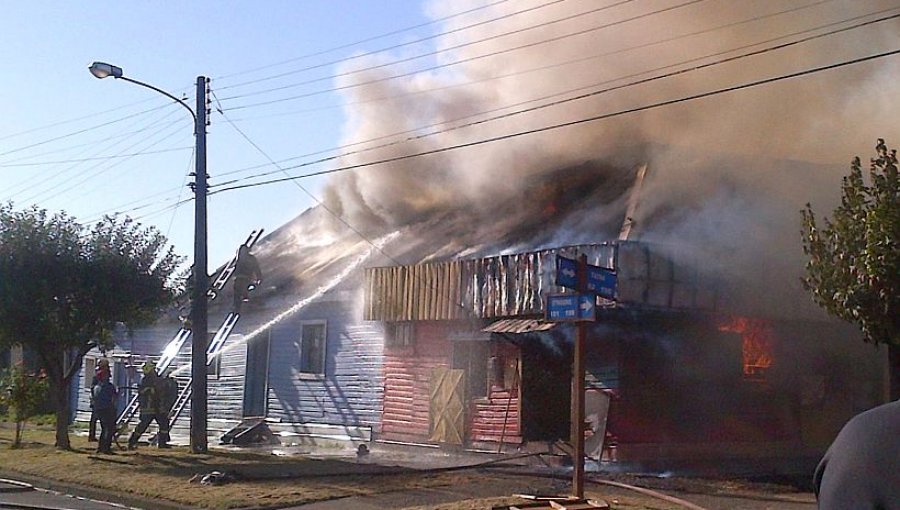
724, 172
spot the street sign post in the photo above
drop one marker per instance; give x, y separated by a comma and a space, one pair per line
589, 282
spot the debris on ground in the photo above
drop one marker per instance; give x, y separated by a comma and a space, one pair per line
212, 478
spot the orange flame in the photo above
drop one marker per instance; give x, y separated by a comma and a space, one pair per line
756, 344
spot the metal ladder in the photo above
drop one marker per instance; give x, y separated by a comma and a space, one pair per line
212, 350
218, 283
167, 357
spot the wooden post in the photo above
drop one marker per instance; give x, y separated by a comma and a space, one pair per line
578, 393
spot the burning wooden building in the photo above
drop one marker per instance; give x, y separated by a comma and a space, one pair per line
470, 361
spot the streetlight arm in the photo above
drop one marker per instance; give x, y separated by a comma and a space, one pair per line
163, 92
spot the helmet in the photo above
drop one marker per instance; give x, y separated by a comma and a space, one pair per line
148, 367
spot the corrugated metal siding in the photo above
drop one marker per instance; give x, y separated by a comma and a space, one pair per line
514, 285
351, 391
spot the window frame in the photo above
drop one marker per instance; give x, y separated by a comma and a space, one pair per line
303, 371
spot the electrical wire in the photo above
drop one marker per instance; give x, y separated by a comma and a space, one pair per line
96, 158
308, 193
606, 90
460, 61
230, 121
107, 181
356, 43
42, 193
47, 177
572, 123
417, 41
181, 190
85, 130
551, 66
79, 118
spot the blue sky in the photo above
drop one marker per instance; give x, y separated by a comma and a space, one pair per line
493, 68
47, 47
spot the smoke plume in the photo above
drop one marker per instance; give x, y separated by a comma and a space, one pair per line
727, 174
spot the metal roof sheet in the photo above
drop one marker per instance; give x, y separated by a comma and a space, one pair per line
519, 326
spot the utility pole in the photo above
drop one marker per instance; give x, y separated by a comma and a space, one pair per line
199, 319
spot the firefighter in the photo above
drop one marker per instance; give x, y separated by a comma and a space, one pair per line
150, 399
246, 276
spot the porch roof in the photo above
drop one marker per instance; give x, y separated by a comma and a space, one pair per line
518, 326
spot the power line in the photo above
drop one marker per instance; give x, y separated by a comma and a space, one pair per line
508, 106
102, 170
78, 119
69, 147
461, 61
174, 133
83, 160
309, 193
46, 177
571, 123
601, 91
181, 190
551, 66
85, 130
350, 45
417, 41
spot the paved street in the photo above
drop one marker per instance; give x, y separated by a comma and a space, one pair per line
15, 494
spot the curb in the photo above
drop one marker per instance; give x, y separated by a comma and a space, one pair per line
96, 494
8, 485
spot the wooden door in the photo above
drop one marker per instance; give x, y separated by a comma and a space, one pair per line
447, 405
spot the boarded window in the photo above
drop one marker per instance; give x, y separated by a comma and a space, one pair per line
398, 334
312, 348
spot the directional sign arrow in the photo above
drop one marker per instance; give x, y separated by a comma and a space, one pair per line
570, 307
586, 307
566, 272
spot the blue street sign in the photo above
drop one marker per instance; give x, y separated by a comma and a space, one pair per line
601, 281
566, 272
570, 307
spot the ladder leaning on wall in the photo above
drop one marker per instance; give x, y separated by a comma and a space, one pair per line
173, 347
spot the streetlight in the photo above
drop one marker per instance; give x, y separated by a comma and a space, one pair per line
199, 318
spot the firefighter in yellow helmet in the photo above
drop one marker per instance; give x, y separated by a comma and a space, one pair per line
151, 408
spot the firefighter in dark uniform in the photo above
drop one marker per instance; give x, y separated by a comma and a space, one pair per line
150, 399
246, 276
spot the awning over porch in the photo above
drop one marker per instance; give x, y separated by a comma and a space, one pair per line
519, 326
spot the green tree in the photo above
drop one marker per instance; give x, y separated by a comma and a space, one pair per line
64, 288
853, 270
23, 394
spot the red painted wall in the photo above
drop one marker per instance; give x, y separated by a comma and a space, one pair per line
407, 376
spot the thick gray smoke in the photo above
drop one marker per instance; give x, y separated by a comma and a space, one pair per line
725, 173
